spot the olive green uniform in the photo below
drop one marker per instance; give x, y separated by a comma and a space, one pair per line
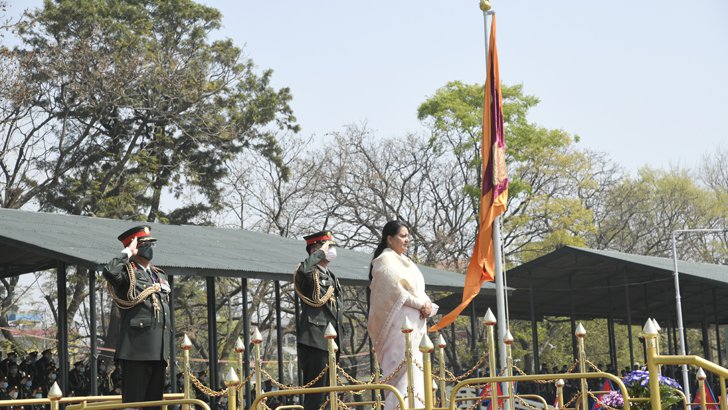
320, 294
144, 342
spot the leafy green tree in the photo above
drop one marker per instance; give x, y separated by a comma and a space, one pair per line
110, 105
550, 180
155, 105
639, 215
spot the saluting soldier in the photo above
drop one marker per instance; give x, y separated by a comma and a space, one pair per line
141, 291
320, 294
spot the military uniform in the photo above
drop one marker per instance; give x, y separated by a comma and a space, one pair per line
78, 383
143, 347
320, 294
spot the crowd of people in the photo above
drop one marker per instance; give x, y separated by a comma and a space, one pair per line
32, 377
26, 376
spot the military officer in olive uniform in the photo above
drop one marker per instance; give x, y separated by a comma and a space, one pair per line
320, 294
141, 291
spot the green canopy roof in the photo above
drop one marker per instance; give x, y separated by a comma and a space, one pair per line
33, 241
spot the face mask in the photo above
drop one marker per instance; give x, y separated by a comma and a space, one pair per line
52, 376
4, 385
39, 395
28, 384
14, 395
146, 252
331, 254
81, 369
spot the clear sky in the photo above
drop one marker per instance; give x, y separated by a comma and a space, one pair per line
645, 81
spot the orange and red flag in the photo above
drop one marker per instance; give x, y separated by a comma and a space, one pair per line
494, 194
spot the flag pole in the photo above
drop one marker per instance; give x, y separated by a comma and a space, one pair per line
499, 280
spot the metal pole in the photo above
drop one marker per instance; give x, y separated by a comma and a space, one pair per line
62, 326
94, 359
473, 329
534, 331
491, 361
678, 303
499, 278
279, 331
574, 347
173, 345
246, 338
678, 307
212, 334
629, 323
717, 330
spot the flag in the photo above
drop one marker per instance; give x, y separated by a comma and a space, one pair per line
486, 396
606, 387
710, 402
494, 194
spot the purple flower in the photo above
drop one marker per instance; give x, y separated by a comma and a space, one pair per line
613, 399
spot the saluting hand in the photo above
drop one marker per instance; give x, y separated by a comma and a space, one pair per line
325, 247
133, 247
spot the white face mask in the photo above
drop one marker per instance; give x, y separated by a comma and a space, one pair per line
14, 395
331, 254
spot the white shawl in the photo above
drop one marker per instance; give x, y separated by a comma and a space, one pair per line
395, 279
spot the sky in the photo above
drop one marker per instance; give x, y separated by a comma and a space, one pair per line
644, 81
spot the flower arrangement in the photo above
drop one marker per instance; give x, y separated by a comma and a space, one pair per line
613, 399
638, 385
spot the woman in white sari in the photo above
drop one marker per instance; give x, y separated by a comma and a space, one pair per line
396, 292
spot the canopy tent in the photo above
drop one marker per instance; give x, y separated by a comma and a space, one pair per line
582, 283
33, 241
590, 283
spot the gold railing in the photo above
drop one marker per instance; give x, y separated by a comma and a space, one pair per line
377, 383
119, 405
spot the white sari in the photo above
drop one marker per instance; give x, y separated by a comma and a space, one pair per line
397, 292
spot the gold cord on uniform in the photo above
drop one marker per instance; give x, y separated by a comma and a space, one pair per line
317, 300
132, 299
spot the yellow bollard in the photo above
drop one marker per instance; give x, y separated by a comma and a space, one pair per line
508, 341
560, 393
257, 339
701, 388
490, 322
377, 392
580, 334
650, 333
441, 355
330, 335
426, 348
231, 381
406, 330
657, 343
186, 346
240, 350
55, 394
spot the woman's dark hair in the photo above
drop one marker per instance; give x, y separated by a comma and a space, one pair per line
391, 228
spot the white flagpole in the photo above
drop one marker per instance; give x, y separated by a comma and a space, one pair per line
499, 279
